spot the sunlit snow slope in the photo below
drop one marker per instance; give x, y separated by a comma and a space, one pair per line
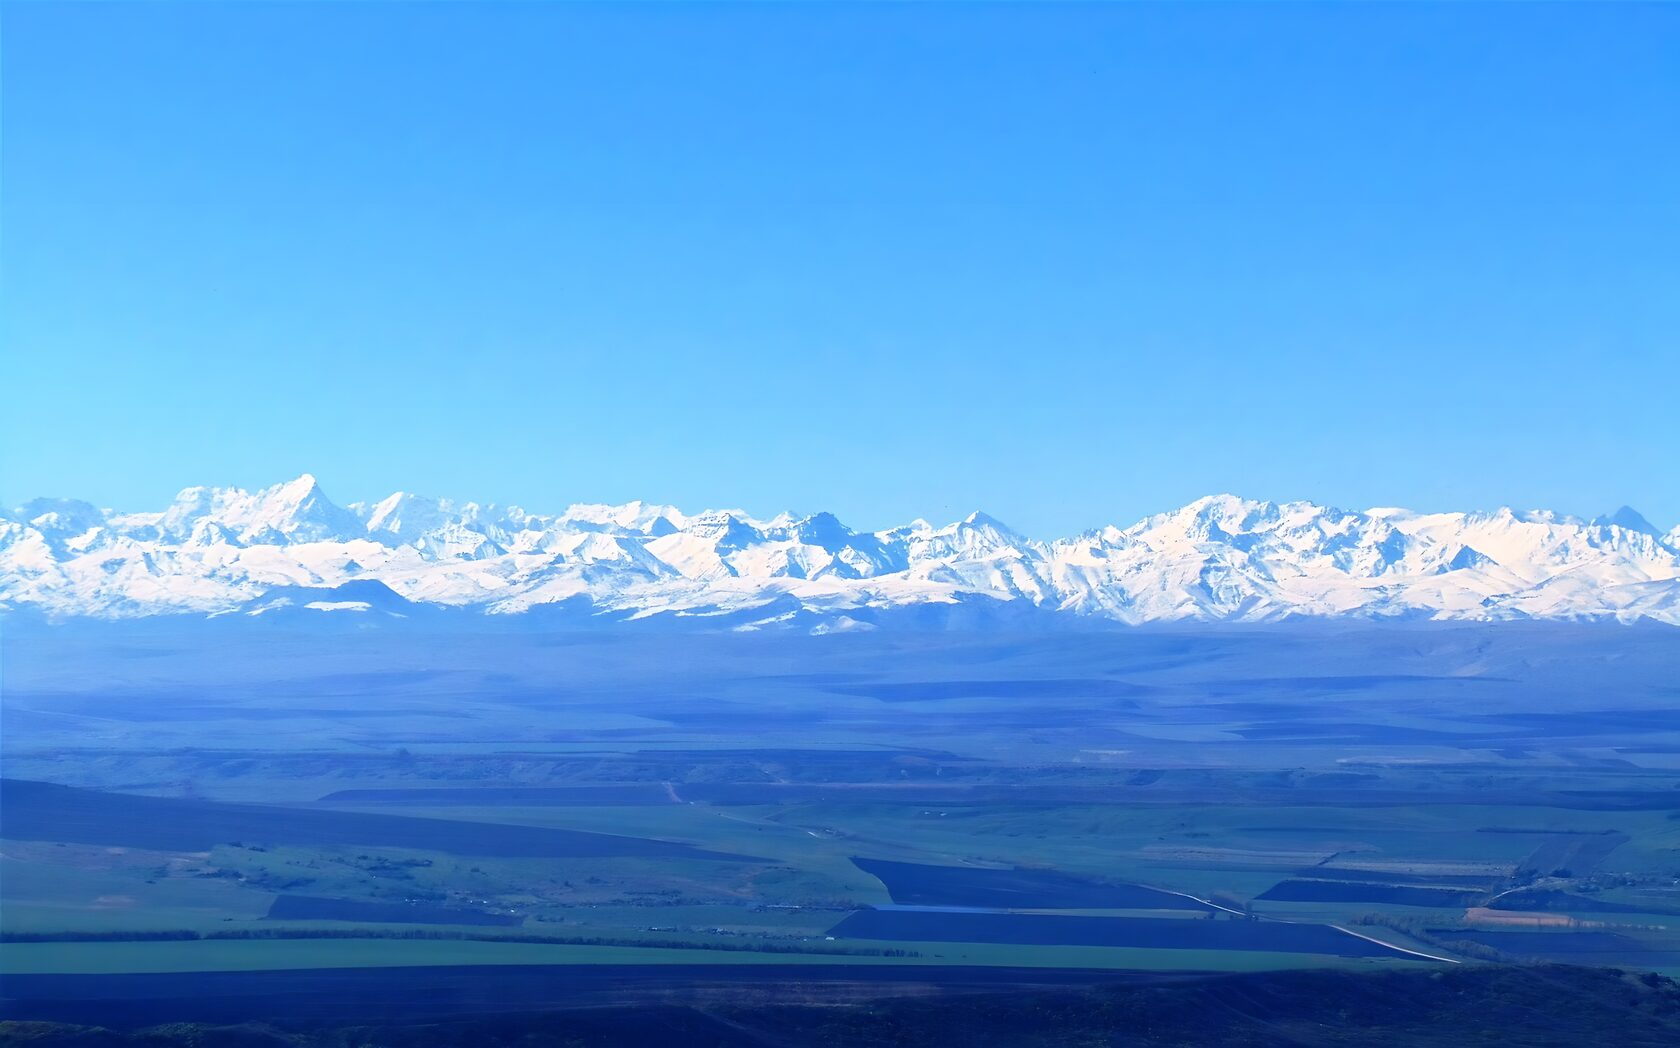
219, 550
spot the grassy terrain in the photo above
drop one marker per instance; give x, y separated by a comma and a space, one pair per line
708, 798
805, 881
249, 955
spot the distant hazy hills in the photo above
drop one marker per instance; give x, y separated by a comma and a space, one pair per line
289, 550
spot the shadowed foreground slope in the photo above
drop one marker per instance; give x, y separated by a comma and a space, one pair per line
1551, 1005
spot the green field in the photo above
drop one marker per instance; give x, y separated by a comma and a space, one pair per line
246, 955
1478, 766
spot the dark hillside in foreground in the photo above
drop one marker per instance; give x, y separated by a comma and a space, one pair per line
1540, 1006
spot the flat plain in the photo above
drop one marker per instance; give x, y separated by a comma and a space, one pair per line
1192, 801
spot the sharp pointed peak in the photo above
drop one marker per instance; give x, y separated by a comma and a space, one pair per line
303, 482
1628, 519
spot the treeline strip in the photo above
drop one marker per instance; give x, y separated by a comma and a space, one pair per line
188, 935
1420, 930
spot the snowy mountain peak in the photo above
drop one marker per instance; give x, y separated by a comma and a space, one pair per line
406, 517
637, 517
1222, 557
296, 511
1628, 519
297, 490
983, 520
60, 517
823, 530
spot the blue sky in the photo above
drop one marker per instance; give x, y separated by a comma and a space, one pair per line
1068, 264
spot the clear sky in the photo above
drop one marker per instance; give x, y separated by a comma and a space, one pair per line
1069, 264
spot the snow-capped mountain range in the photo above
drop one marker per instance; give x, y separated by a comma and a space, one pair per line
224, 550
